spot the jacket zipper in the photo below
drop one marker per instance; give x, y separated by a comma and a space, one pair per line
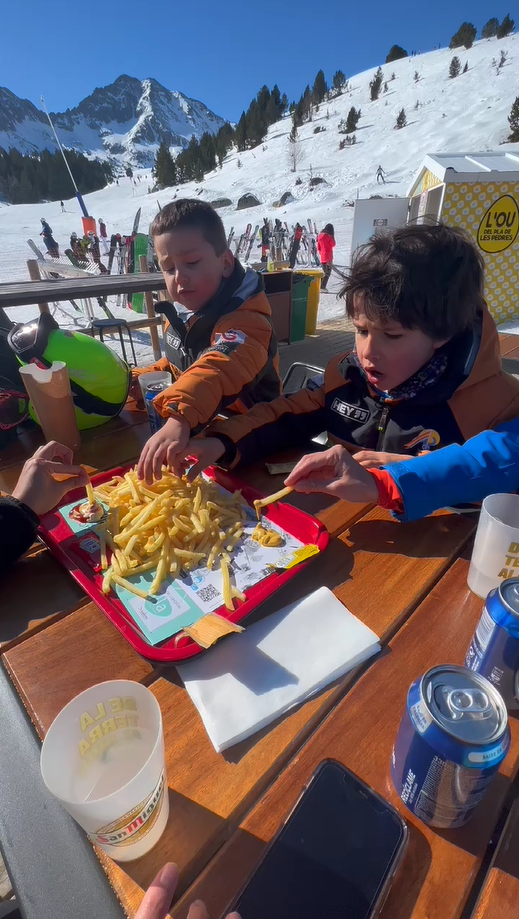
382, 426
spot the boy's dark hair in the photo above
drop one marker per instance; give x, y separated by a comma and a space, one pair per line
329, 229
188, 213
427, 277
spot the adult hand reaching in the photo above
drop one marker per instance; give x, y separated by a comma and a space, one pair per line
37, 486
334, 472
158, 897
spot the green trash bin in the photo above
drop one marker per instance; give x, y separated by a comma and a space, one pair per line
300, 288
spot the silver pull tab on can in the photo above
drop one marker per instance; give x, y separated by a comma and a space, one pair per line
467, 701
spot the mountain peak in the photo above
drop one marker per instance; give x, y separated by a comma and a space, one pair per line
124, 121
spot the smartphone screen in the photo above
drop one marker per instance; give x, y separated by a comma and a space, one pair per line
332, 858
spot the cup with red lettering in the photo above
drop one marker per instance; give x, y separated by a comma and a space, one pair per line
103, 758
496, 548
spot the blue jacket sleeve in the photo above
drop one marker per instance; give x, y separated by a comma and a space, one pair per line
484, 465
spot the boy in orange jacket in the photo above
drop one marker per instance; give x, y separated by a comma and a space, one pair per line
222, 351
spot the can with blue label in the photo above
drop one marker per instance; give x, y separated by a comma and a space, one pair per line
453, 736
494, 649
156, 421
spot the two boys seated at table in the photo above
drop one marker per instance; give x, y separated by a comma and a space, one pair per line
425, 372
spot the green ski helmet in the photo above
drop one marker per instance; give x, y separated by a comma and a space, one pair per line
99, 379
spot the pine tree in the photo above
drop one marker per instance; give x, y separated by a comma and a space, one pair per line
207, 148
466, 67
416, 77
223, 142
464, 37
352, 120
306, 104
513, 120
490, 28
375, 85
240, 134
164, 169
506, 27
454, 67
401, 119
396, 52
320, 88
294, 149
338, 82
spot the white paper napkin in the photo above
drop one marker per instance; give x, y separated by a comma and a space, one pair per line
248, 680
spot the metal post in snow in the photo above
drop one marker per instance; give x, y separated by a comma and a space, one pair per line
78, 194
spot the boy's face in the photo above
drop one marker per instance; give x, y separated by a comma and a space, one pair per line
388, 353
192, 270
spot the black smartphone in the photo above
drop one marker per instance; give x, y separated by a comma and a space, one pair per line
334, 857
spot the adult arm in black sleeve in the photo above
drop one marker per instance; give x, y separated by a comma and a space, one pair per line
18, 525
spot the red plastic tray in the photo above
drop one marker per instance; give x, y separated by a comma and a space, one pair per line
84, 566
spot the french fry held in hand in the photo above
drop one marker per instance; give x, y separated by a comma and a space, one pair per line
271, 499
165, 527
90, 510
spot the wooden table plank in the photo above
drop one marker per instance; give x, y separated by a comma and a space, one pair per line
439, 866
25, 293
512, 355
212, 791
507, 343
52, 667
499, 898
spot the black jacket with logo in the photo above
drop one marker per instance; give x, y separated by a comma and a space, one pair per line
473, 394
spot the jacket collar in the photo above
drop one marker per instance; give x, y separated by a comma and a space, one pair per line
462, 353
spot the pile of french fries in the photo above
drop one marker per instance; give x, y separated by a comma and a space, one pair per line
165, 527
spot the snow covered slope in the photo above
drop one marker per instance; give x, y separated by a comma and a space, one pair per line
125, 121
466, 114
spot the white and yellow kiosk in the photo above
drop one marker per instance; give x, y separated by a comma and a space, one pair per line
479, 192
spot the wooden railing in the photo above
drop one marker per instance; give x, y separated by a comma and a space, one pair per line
41, 292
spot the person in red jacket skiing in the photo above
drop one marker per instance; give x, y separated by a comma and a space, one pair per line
325, 247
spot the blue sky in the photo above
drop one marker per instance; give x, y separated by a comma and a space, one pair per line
220, 53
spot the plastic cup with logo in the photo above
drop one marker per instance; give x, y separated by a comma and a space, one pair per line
154, 376
496, 549
103, 758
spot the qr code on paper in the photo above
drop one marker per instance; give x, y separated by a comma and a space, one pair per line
208, 594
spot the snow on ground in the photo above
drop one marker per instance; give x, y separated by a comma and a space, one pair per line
466, 114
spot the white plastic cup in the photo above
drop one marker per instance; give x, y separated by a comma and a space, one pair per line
154, 376
496, 549
103, 758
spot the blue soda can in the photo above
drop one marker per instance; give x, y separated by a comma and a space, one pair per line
156, 421
494, 649
452, 738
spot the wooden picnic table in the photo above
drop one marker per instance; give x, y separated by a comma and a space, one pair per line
406, 581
